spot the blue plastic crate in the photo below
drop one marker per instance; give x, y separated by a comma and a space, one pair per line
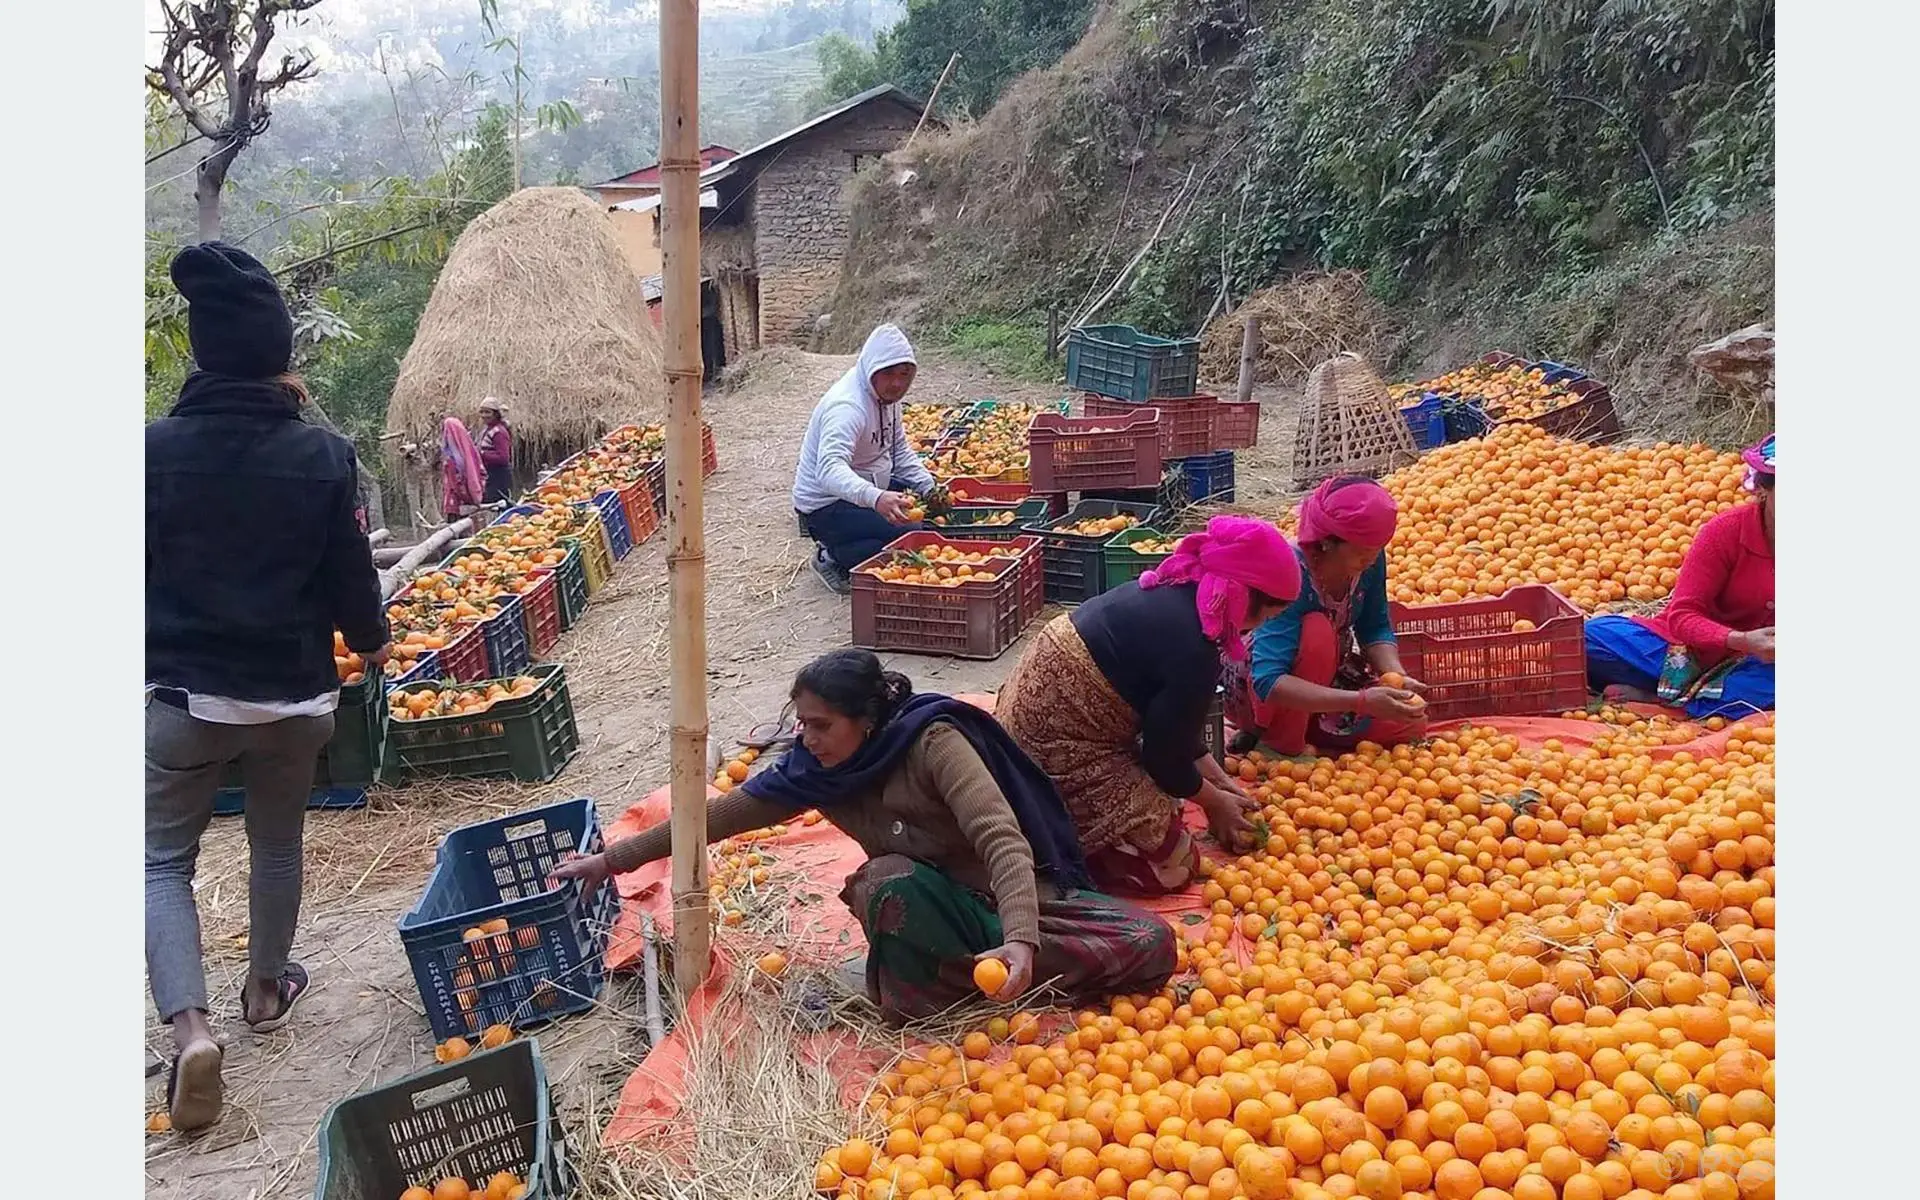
508, 653
1462, 419
1425, 422
614, 516
1560, 372
426, 667
1122, 362
551, 959
1209, 477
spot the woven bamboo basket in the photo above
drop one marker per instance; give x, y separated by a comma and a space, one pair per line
1348, 425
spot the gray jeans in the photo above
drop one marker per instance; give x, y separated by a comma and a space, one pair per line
186, 758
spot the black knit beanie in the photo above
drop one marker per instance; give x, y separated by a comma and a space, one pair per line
237, 319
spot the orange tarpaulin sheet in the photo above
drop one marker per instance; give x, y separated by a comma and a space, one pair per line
652, 1095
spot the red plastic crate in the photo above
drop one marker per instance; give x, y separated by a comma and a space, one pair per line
636, 499
980, 492
1075, 454
1475, 665
1186, 422
1025, 548
1236, 426
971, 620
540, 609
465, 658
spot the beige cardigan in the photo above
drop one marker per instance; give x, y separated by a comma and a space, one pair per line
940, 806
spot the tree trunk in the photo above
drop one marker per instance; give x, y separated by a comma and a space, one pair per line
209, 180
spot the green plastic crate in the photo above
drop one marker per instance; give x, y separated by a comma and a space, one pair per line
1123, 562
572, 584
492, 1111
529, 739
965, 521
1121, 362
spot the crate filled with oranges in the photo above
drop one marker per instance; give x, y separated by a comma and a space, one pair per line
492, 940
483, 1127
927, 594
519, 728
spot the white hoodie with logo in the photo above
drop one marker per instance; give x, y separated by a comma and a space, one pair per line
855, 449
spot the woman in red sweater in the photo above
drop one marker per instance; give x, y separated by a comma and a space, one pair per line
1710, 650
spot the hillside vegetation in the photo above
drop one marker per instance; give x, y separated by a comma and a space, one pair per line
1587, 178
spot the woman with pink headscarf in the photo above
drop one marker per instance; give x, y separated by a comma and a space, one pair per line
1111, 700
461, 479
1325, 654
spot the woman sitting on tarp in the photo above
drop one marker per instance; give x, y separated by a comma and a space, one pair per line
972, 854
1331, 654
1112, 701
1710, 651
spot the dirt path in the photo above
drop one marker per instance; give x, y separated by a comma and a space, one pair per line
362, 1023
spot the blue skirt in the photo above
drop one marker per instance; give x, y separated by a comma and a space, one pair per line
1622, 651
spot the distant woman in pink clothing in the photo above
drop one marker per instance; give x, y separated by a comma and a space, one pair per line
1710, 650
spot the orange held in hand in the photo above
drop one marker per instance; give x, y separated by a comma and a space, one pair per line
990, 975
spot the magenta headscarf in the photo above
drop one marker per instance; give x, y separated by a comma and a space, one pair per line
1350, 508
1233, 556
460, 475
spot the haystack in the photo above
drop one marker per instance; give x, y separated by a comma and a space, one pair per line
538, 307
1304, 320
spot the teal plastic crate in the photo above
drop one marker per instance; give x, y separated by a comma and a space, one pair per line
492, 1111
1121, 362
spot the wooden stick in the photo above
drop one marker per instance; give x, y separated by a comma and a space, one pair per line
686, 537
934, 95
400, 572
650, 973
379, 537
1249, 357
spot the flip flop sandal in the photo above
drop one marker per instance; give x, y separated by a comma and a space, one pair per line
292, 985
194, 1087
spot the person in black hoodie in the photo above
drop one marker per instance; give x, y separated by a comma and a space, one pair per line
255, 555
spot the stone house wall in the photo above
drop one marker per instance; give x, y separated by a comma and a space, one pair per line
800, 215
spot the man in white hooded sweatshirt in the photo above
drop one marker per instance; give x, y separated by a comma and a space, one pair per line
856, 460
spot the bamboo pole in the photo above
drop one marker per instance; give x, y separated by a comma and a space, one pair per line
686, 537
935, 95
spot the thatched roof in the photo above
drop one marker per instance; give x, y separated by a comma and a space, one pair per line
538, 307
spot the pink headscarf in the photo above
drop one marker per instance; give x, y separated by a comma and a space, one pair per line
1759, 460
460, 475
1234, 556
1350, 508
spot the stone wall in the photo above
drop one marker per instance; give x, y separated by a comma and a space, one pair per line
800, 216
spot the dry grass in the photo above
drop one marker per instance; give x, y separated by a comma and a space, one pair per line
1304, 320
538, 307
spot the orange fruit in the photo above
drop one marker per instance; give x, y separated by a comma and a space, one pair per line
990, 975
495, 1036
452, 1050
452, 1189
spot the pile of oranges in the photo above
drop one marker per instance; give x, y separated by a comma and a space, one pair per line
1468, 969
925, 424
938, 566
540, 530
1098, 526
504, 1186
1001, 518
428, 700
1509, 393
736, 769
1154, 545
1602, 524
994, 447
